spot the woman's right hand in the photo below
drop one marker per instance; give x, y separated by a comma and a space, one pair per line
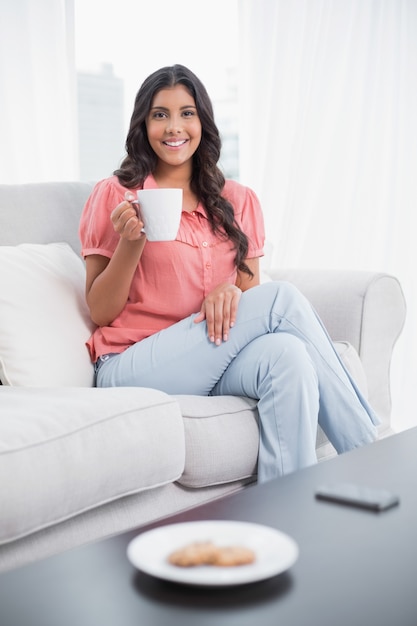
114, 275
125, 220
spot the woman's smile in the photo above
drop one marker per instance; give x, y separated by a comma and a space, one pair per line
175, 144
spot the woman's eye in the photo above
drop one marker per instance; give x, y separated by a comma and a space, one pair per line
189, 113
159, 115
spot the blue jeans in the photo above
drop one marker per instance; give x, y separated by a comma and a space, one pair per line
279, 353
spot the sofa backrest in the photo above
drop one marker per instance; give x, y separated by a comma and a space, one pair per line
42, 212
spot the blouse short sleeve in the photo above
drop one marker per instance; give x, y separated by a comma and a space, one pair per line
95, 230
248, 214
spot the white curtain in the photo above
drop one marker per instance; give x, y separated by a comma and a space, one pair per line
328, 137
38, 122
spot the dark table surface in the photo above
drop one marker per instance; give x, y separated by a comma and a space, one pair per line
355, 567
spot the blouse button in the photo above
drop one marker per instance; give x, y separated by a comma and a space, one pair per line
204, 244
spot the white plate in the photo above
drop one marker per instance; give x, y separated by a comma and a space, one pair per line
275, 552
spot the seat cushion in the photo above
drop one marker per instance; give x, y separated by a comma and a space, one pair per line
221, 439
64, 451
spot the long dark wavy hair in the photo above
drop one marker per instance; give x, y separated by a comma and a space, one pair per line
207, 180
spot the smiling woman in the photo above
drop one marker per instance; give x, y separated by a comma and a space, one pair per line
189, 315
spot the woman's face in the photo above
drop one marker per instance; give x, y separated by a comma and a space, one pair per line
173, 126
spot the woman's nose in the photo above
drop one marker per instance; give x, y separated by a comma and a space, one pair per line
174, 125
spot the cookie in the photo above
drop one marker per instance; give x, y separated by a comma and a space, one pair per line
206, 553
199, 553
234, 555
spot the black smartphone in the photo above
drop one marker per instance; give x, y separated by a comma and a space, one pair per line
358, 495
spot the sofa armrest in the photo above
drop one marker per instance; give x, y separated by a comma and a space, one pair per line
367, 309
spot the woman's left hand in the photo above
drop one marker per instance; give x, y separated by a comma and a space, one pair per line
219, 309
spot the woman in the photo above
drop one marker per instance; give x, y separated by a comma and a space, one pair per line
189, 316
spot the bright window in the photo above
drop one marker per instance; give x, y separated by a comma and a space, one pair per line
118, 45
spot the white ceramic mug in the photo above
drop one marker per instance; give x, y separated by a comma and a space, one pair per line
160, 211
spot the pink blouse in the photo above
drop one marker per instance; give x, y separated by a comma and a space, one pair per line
173, 277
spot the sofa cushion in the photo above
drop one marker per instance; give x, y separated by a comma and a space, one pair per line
64, 451
353, 364
44, 320
221, 439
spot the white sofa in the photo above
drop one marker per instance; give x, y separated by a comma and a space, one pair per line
79, 463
